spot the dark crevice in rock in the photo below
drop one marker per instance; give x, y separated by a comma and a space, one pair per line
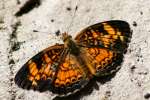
52, 20
68, 9
147, 96
27, 7
18, 1
141, 13
15, 45
134, 24
132, 68
12, 42
76, 8
57, 32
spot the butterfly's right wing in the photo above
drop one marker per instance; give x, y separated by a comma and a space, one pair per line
103, 61
104, 44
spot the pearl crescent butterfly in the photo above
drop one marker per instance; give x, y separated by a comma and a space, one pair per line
66, 68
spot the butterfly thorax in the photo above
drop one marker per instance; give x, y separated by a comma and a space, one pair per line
70, 44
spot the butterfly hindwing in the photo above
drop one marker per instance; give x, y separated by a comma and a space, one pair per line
113, 35
71, 76
103, 61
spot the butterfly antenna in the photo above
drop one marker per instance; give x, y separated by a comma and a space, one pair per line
71, 23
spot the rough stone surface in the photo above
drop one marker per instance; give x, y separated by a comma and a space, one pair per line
24, 36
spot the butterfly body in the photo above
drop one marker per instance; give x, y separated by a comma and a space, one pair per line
66, 68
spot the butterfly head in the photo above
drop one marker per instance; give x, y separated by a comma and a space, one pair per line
66, 37
70, 43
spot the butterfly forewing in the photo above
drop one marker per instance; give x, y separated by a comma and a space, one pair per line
113, 35
38, 73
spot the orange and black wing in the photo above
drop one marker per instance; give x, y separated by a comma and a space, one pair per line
53, 70
103, 61
71, 77
39, 72
112, 35
104, 44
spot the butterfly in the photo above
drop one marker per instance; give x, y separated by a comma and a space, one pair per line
66, 68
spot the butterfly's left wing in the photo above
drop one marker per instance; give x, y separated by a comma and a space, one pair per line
53, 69
39, 72
113, 35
